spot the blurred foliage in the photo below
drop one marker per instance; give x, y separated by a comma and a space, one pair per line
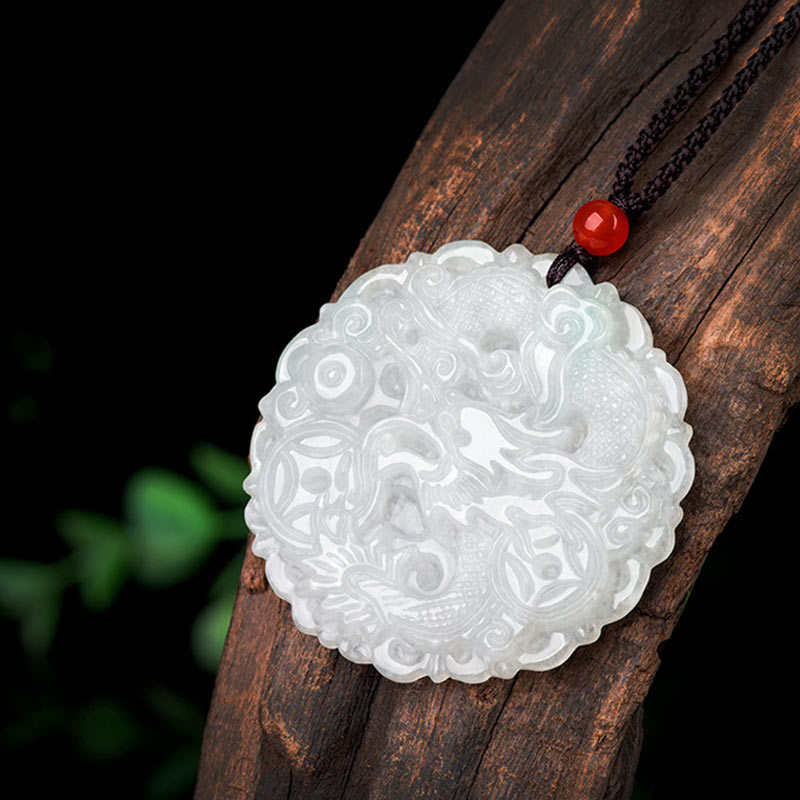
31, 592
172, 529
172, 526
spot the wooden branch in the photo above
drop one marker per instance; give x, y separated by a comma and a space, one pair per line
532, 126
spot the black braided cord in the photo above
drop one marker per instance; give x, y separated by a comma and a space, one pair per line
634, 203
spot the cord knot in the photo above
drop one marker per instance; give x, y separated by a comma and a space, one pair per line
572, 254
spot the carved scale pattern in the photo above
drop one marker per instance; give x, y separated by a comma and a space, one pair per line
461, 473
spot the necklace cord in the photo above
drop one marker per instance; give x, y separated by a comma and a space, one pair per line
634, 203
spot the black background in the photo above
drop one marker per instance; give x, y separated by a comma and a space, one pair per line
187, 189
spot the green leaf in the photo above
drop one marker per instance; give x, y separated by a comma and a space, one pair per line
209, 632
172, 523
106, 730
31, 592
102, 555
26, 582
221, 471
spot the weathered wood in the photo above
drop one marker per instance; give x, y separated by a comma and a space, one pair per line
531, 127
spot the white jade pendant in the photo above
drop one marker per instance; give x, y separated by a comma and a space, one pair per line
461, 473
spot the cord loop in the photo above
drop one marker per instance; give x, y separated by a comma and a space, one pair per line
634, 203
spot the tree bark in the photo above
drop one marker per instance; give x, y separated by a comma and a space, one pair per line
532, 126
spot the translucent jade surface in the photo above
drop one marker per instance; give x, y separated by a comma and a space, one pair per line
461, 473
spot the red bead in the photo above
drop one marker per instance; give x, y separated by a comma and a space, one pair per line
600, 227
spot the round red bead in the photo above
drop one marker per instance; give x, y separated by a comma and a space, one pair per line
600, 227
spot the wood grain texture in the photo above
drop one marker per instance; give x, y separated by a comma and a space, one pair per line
532, 126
